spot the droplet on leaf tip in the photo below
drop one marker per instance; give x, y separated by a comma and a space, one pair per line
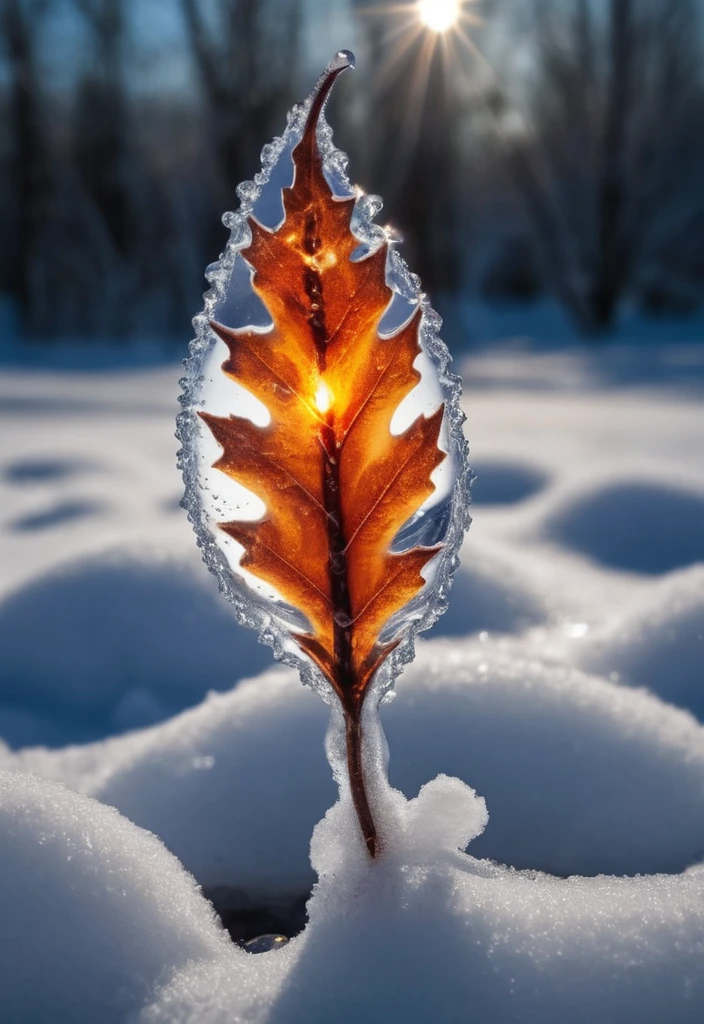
342, 59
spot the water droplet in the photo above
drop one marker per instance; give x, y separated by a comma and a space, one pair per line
342, 619
342, 59
265, 943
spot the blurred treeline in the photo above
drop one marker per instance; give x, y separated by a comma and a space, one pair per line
564, 158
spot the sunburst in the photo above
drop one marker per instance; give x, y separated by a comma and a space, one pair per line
422, 32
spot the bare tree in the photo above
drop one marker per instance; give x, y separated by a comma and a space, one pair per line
20, 21
611, 152
245, 54
101, 130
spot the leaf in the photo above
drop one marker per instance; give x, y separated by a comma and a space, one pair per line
339, 489
337, 484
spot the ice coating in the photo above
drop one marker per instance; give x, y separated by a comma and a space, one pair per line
214, 498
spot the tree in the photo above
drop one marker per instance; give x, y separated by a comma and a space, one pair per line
245, 55
30, 159
612, 148
100, 124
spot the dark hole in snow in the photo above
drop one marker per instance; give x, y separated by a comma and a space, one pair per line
248, 921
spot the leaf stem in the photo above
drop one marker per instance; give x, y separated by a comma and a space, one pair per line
354, 738
348, 682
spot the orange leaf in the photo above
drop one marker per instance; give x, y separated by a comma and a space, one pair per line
337, 484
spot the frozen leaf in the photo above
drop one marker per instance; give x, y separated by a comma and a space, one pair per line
339, 469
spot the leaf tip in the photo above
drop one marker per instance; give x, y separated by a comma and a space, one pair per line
343, 59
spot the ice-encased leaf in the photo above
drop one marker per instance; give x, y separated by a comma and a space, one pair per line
302, 404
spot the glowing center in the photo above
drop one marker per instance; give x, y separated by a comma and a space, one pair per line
439, 15
323, 397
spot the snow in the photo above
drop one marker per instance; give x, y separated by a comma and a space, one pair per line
659, 643
489, 595
634, 525
562, 685
186, 639
94, 912
591, 766
102, 923
430, 934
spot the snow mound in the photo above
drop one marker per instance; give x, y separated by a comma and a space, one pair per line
637, 525
659, 643
575, 770
99, 922
488, 595
506, 482
123, 639
94, 912
428, 934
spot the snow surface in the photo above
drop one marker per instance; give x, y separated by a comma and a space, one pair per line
101, 923
186, 639
428, 934
658, 643
94, 912
592, 766
581, 584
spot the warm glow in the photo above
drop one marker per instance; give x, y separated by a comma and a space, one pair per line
439, 15
323, 397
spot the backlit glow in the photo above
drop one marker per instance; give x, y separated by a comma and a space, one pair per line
323, 397
439, 15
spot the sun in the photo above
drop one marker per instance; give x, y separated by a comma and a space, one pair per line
440, 15
422, 35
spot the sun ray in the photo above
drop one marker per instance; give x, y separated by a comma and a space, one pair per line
417, 40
